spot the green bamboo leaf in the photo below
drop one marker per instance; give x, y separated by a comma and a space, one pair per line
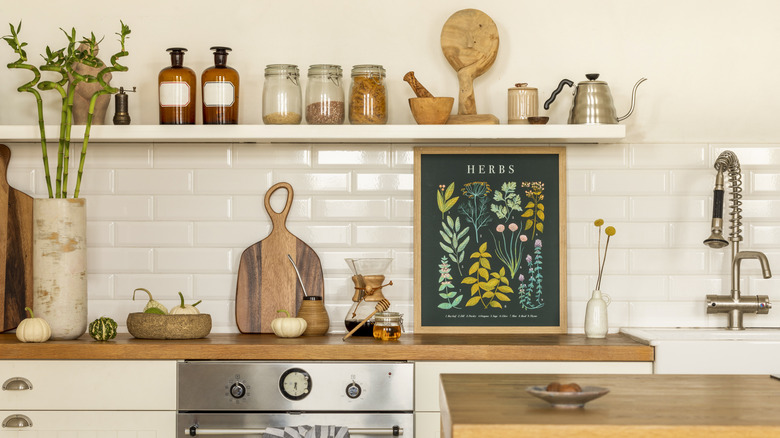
502, 297
450, 189
540, 227
528, 224
496, 304
469, 280
540, 215
457, 301
472, 302
445, 306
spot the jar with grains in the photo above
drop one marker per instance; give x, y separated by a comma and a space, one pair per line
388, 325
281, 95
368, 95
324, 95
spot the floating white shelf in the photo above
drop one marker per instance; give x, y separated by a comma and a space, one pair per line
440, 134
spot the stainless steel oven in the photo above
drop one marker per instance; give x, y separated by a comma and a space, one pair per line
243, 398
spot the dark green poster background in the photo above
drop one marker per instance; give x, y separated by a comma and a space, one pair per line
490, 240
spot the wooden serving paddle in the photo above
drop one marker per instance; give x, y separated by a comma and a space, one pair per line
16, 276
381, 306
266, 280
469, 40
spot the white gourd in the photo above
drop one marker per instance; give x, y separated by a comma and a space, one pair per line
287, 327
184, 309
33, 329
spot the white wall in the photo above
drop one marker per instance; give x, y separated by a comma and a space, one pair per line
175, 217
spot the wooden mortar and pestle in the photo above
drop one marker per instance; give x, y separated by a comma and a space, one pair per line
427, 109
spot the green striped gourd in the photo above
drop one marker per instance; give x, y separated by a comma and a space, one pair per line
102, 329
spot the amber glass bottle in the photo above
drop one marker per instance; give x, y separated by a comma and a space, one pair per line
177, 91
220, 91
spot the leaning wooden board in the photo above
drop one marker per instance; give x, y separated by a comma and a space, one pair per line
266, 278
16, 216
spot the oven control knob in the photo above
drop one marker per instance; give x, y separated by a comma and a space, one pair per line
354, 390
238, 390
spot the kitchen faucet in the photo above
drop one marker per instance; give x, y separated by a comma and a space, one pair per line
735, 305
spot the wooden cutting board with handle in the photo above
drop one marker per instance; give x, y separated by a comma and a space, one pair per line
16, 221
266, 279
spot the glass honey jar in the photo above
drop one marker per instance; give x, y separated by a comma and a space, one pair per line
388, 326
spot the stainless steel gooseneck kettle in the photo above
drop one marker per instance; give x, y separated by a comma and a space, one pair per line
592, 103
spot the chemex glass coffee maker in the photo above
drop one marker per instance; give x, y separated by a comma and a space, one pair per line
368, 275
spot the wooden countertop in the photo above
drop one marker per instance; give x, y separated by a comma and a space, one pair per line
615, 347
640, 406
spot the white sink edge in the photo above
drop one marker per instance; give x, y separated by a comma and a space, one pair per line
653, 335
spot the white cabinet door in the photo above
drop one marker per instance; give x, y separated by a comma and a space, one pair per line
91, 385
85, 424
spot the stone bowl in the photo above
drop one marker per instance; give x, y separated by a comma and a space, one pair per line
155, 326
431, 110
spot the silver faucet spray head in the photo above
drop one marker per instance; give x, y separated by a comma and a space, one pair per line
716, 239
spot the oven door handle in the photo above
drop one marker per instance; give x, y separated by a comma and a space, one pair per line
195, 431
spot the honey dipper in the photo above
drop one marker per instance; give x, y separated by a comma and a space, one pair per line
381, 306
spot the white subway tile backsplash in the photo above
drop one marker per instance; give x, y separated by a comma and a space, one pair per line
154, 234
192, 207
629, 182
192, 155
100, 208
352, 155
176, 217
666, 156
191, 260
232, 181
93, 182
154, 182
383, 182
269, 157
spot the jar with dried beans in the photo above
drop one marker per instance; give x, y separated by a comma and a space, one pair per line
324, 95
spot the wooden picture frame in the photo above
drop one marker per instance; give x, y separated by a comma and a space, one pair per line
490, 240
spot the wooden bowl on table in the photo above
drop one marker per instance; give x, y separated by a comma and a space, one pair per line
431, 110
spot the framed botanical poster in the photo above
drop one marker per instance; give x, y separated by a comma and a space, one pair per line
490, 240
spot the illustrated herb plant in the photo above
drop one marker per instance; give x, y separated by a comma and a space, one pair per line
487, 288
444, 198
62, 62
507, 201
454, 240
446, 288
534, 210
476, 211
510, 252
535, 276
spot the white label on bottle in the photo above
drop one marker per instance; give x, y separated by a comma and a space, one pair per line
218, 93
174, 93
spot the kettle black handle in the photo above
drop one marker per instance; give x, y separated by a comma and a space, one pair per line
557, 90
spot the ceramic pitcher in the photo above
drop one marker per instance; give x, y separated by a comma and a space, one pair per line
596, 315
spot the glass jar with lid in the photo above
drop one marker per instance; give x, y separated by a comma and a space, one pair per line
368, 95
324, 95
388, 325
281, 95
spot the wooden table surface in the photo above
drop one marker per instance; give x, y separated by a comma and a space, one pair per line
615, 347
637, 406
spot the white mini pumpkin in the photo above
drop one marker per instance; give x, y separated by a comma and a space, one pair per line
287, 327
33, 329
184, 309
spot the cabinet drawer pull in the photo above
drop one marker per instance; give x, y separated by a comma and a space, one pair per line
17, 421
17, 384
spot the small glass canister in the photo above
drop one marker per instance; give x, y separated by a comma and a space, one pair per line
388, 325
281, 95
324, 95
523, 102
368, 95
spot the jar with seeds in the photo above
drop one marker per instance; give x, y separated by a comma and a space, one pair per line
324, 95
281, 95
368, 95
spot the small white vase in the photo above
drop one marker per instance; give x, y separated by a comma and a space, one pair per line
596, 324
60, 265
